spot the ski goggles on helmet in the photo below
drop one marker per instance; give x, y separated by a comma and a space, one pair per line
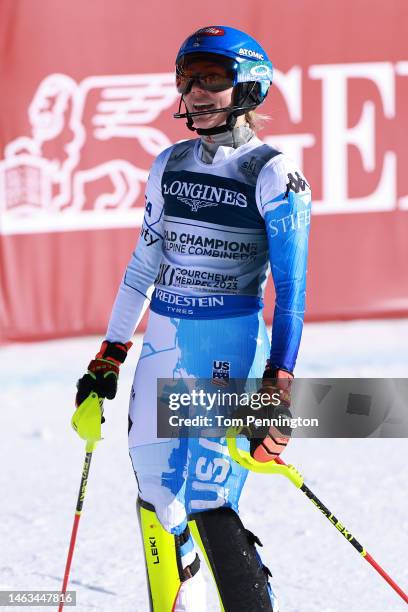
210, 72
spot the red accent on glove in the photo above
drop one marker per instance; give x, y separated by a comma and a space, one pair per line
271, 446
114, 351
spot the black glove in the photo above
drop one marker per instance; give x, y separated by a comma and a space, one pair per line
103, 372
266, 443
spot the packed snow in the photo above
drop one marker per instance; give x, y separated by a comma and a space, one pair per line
363, 481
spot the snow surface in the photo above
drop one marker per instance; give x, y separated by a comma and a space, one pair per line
315, 570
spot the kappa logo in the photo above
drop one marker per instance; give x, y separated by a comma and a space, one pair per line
296, 183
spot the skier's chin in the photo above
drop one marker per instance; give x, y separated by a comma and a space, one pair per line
209, 121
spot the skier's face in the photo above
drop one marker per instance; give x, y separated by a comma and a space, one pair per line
198, 98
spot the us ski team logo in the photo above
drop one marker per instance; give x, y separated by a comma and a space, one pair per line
221, 373
45, 180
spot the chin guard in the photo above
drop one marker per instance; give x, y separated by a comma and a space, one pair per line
246, 97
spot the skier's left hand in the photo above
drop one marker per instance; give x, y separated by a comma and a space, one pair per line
103, 372
266, 443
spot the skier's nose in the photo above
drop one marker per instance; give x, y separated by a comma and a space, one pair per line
197, 86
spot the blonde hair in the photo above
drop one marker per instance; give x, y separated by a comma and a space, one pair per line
256, 121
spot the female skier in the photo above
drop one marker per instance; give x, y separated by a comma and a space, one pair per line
220, 211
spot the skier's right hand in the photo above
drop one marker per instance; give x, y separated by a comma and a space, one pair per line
267, 443
103, 372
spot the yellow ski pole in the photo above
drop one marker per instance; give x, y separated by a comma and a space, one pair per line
278, 466
87, 423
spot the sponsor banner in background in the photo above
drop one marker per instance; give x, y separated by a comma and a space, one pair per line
78, 140
44, 193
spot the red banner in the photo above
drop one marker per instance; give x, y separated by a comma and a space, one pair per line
87, 104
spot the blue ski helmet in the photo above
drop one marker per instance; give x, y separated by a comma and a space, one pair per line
250, 63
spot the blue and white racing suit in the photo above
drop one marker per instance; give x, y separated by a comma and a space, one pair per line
210, 234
